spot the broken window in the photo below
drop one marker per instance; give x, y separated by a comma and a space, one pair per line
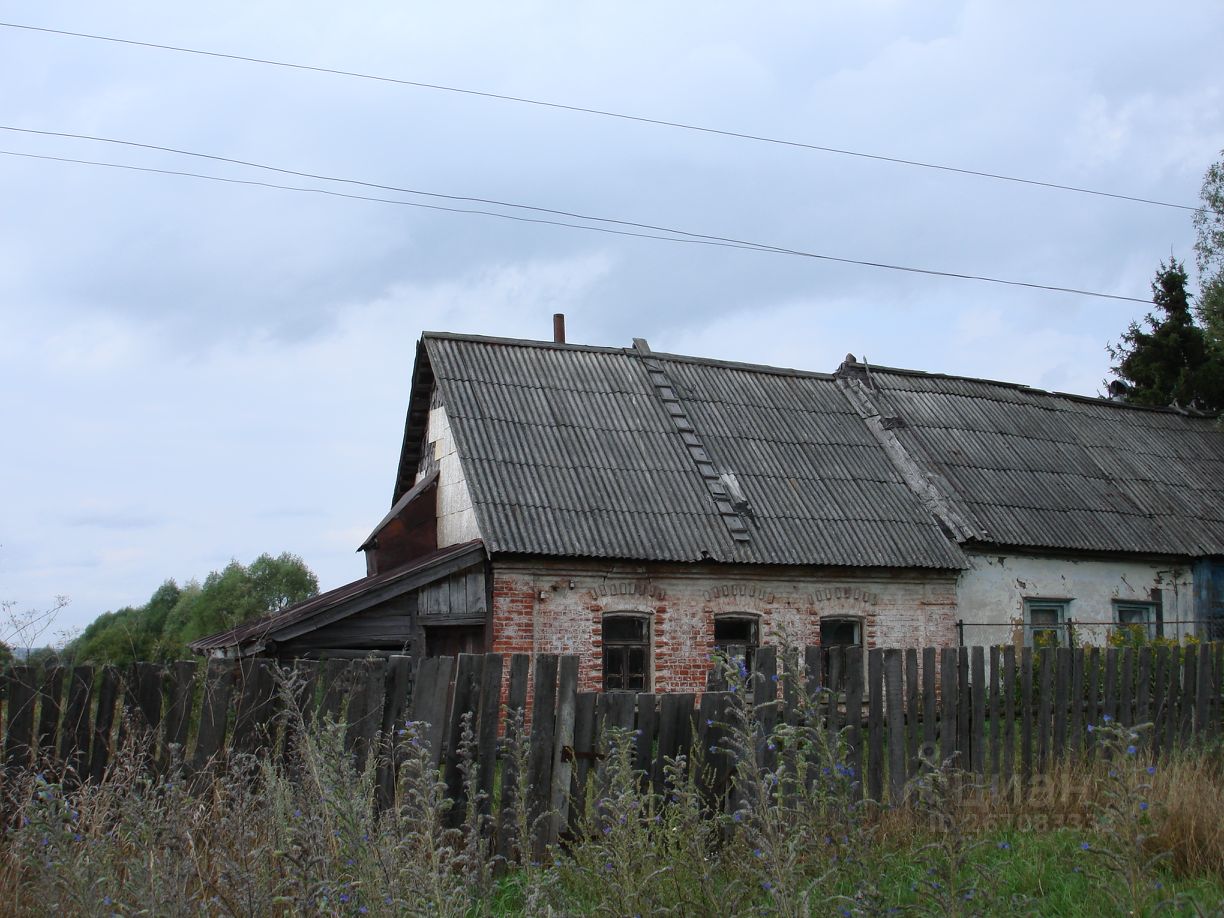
626, 653
737, 637
1045, 620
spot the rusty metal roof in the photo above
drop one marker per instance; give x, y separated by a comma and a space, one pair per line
571, 450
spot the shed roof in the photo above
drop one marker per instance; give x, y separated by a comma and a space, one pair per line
576, 451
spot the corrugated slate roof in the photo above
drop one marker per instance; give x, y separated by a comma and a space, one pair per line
1047, 470
569, 451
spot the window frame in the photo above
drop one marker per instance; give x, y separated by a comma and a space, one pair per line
627, 674
1062, 609
1153, 622
753, 621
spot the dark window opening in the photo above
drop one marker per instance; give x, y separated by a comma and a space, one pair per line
838, 632
626, 653
1045, 620
1144, 616
736, 637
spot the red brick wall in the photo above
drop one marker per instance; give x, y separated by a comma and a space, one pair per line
558, 608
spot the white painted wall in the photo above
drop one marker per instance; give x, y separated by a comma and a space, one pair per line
995, 586
456, 517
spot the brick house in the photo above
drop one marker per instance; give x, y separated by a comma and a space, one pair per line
643, 509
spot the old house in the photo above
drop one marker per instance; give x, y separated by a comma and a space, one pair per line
643, 509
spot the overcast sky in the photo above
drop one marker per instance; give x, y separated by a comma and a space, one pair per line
192, 371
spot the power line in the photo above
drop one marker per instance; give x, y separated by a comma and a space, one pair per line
605, 113
680, 236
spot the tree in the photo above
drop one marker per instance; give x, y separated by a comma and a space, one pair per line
1209, 254
161, 629
1168, 360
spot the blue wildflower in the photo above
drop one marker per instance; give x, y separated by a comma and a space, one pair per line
766, 885
1085, 846
1005, 846
1107, 718
1131, 750
1151, 769
1143, 805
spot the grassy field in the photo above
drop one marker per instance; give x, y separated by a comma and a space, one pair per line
1119, 835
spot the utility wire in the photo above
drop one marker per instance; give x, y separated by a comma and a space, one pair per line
681, 236
660, 122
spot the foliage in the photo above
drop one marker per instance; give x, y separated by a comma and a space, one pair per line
1168, 360
161, 629
1209, 253
1138, 636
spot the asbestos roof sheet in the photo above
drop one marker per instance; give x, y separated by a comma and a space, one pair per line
1046, 470
568, 450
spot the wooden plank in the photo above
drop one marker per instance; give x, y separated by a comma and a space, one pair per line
1062, 692
675, 728
431, 696
930, 707
353, 705
834, 721
1202, 700
948, 697
875, 724
181, 677
1110, 692
714, 780
977, 726
20, 692
398, 683
516, 706
764, 681
1215, 716
1126, 692
75, 731
1188, 685
1026, 716
1092, 708
854, 718
1173, 697
1075, 714
913, 724
813, 674
336, 684
540, 754
490, 718
1143, 689
584, 756
464, 705
1009, 714
104, 721
1045, 705
563, 744
645, 732
895, 701
994, 683
253, 716
150, 694
50, 691
790, 686
214, 713
1160, 697
964, 710
370, 719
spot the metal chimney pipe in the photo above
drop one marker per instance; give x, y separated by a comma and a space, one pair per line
558, 328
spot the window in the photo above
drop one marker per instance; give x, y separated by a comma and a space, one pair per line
1045, 621
736, 637
1145, 615
626, 653
838, 632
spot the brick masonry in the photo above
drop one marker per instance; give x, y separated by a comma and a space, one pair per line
550, 607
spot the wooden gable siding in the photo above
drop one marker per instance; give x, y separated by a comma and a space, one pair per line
461, 598
413, 532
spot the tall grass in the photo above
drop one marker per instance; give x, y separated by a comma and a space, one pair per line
302, 835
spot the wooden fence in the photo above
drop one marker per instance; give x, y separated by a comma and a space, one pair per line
999, 713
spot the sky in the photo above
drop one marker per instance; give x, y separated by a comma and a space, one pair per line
193, 372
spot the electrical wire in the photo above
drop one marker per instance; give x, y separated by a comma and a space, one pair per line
605, 113
681, 237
